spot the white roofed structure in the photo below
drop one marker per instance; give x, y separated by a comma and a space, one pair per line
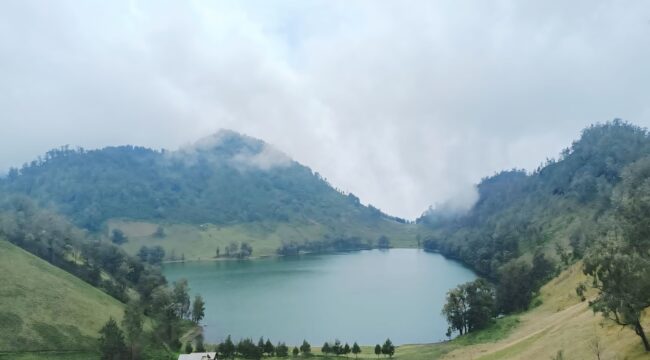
198, 356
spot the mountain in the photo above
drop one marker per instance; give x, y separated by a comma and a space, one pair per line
558, 209
44, 308
228, 180
585, 213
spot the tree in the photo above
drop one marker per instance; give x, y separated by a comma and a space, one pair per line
455, 311
305, 348
248, 350
388, 348
542, 271
515, 288
621, 278
200, 346
181, 298
160, 232
356, 350
260, 344
227, 348
132, 324
346, 349
245, 250
188, 348
198, 309
156, 255
143, 253
295, 351
469, 307
481, 300
282, 350
111, 341
337, 348
269, 349
377, 350
383, 242
118, 237
326, 349
619, 266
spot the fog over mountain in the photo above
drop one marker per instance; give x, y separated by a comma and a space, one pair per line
405, 104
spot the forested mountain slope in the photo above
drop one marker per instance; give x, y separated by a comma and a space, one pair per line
228, 180
588, 211
557, 210
45, 308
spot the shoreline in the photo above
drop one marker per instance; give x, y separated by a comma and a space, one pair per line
260, 257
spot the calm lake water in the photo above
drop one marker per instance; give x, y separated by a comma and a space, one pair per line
362, 296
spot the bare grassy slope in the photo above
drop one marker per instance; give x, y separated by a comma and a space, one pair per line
45, 308
563, 323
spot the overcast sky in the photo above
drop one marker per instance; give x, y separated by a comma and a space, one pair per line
404, 103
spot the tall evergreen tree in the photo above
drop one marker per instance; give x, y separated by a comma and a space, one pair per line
132, 324
269, 349
111, 342
388, 348
356, 350
198, 309
305, 348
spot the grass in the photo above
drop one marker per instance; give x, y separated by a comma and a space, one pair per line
560, 322
45, 308
194, 242
51, 355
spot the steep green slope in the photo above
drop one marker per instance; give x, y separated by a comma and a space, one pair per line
45, 308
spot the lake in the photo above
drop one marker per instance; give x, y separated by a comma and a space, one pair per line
363, 296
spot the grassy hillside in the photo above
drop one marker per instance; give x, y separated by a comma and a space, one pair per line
561, 323
196, 242
44, 308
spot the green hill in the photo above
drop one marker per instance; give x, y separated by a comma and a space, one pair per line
228, 180
554, 208
45, 308
589, 205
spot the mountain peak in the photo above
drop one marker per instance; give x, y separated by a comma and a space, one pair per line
238, 149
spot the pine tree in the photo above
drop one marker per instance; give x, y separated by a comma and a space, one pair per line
356, 350
326, 349
388, 348
111, 342
305, 348
269, 349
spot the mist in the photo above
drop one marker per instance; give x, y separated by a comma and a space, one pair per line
404, 104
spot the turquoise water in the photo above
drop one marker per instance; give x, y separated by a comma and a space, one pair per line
362, 296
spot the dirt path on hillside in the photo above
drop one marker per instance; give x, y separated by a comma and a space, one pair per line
533, 325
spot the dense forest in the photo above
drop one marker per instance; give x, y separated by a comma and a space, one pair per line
223, 179
591, 204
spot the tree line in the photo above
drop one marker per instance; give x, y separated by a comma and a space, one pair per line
247, 349
332, 244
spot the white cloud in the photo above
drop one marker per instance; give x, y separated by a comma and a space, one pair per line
404, 103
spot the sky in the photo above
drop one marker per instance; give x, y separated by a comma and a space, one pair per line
404, 103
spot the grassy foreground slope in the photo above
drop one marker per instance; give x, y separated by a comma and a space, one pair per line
561, 323
45, 308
